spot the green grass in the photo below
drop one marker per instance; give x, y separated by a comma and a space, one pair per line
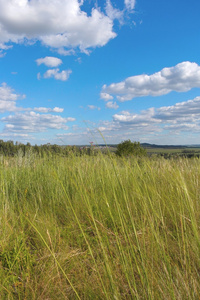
99, 228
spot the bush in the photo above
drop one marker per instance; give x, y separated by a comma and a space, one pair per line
128, 148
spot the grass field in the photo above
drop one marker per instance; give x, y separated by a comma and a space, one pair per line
99, 228
173, 150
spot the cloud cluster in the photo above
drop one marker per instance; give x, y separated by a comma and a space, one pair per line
167, 124
143, 119
164, 125
47, 110
57, 74
8, 98
93, 107
187, 111
112, 105
34, 122
180, 78
24, 121
182, 116
58, 24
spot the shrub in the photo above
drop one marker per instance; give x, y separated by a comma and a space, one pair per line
127, 148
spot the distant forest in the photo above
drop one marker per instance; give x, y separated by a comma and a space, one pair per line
11, 149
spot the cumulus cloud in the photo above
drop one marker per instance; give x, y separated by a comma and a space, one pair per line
64, 52
93, 107
58, 110
181, 78
112, 104
144, 118
7, 94
167, 124
187, 111
47, 110
106, 96
181, 117
49, 61
8, 98
186, 127
57, 74
34, 122
58, 24
158, 125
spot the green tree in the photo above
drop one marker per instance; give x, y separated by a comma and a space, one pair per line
127, 148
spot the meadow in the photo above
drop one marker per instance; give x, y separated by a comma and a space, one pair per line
99, 227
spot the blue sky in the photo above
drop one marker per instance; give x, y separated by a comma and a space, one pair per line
71, 69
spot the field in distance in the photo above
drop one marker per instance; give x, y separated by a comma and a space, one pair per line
181, 150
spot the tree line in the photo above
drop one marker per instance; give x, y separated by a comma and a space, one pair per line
9, 148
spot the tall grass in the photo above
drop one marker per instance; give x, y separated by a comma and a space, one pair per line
99, 228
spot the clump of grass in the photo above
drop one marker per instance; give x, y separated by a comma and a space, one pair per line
99, 228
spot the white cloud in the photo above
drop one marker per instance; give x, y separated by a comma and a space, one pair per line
112, 104
69, 119
57, 74
58, 24
155, 125
26, 120
8, 98
79, 60
58, 110
49, 61
64, 52
93, 107
2, 54
34, 122
6, 93
39, 76
106, 96
181, 78
181, 117
114, 13
167, 124
75, 138
129, 4
176, 124
46, 109
22, 137
3, 47
7, 106
186, 111
144, 118
185, 127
